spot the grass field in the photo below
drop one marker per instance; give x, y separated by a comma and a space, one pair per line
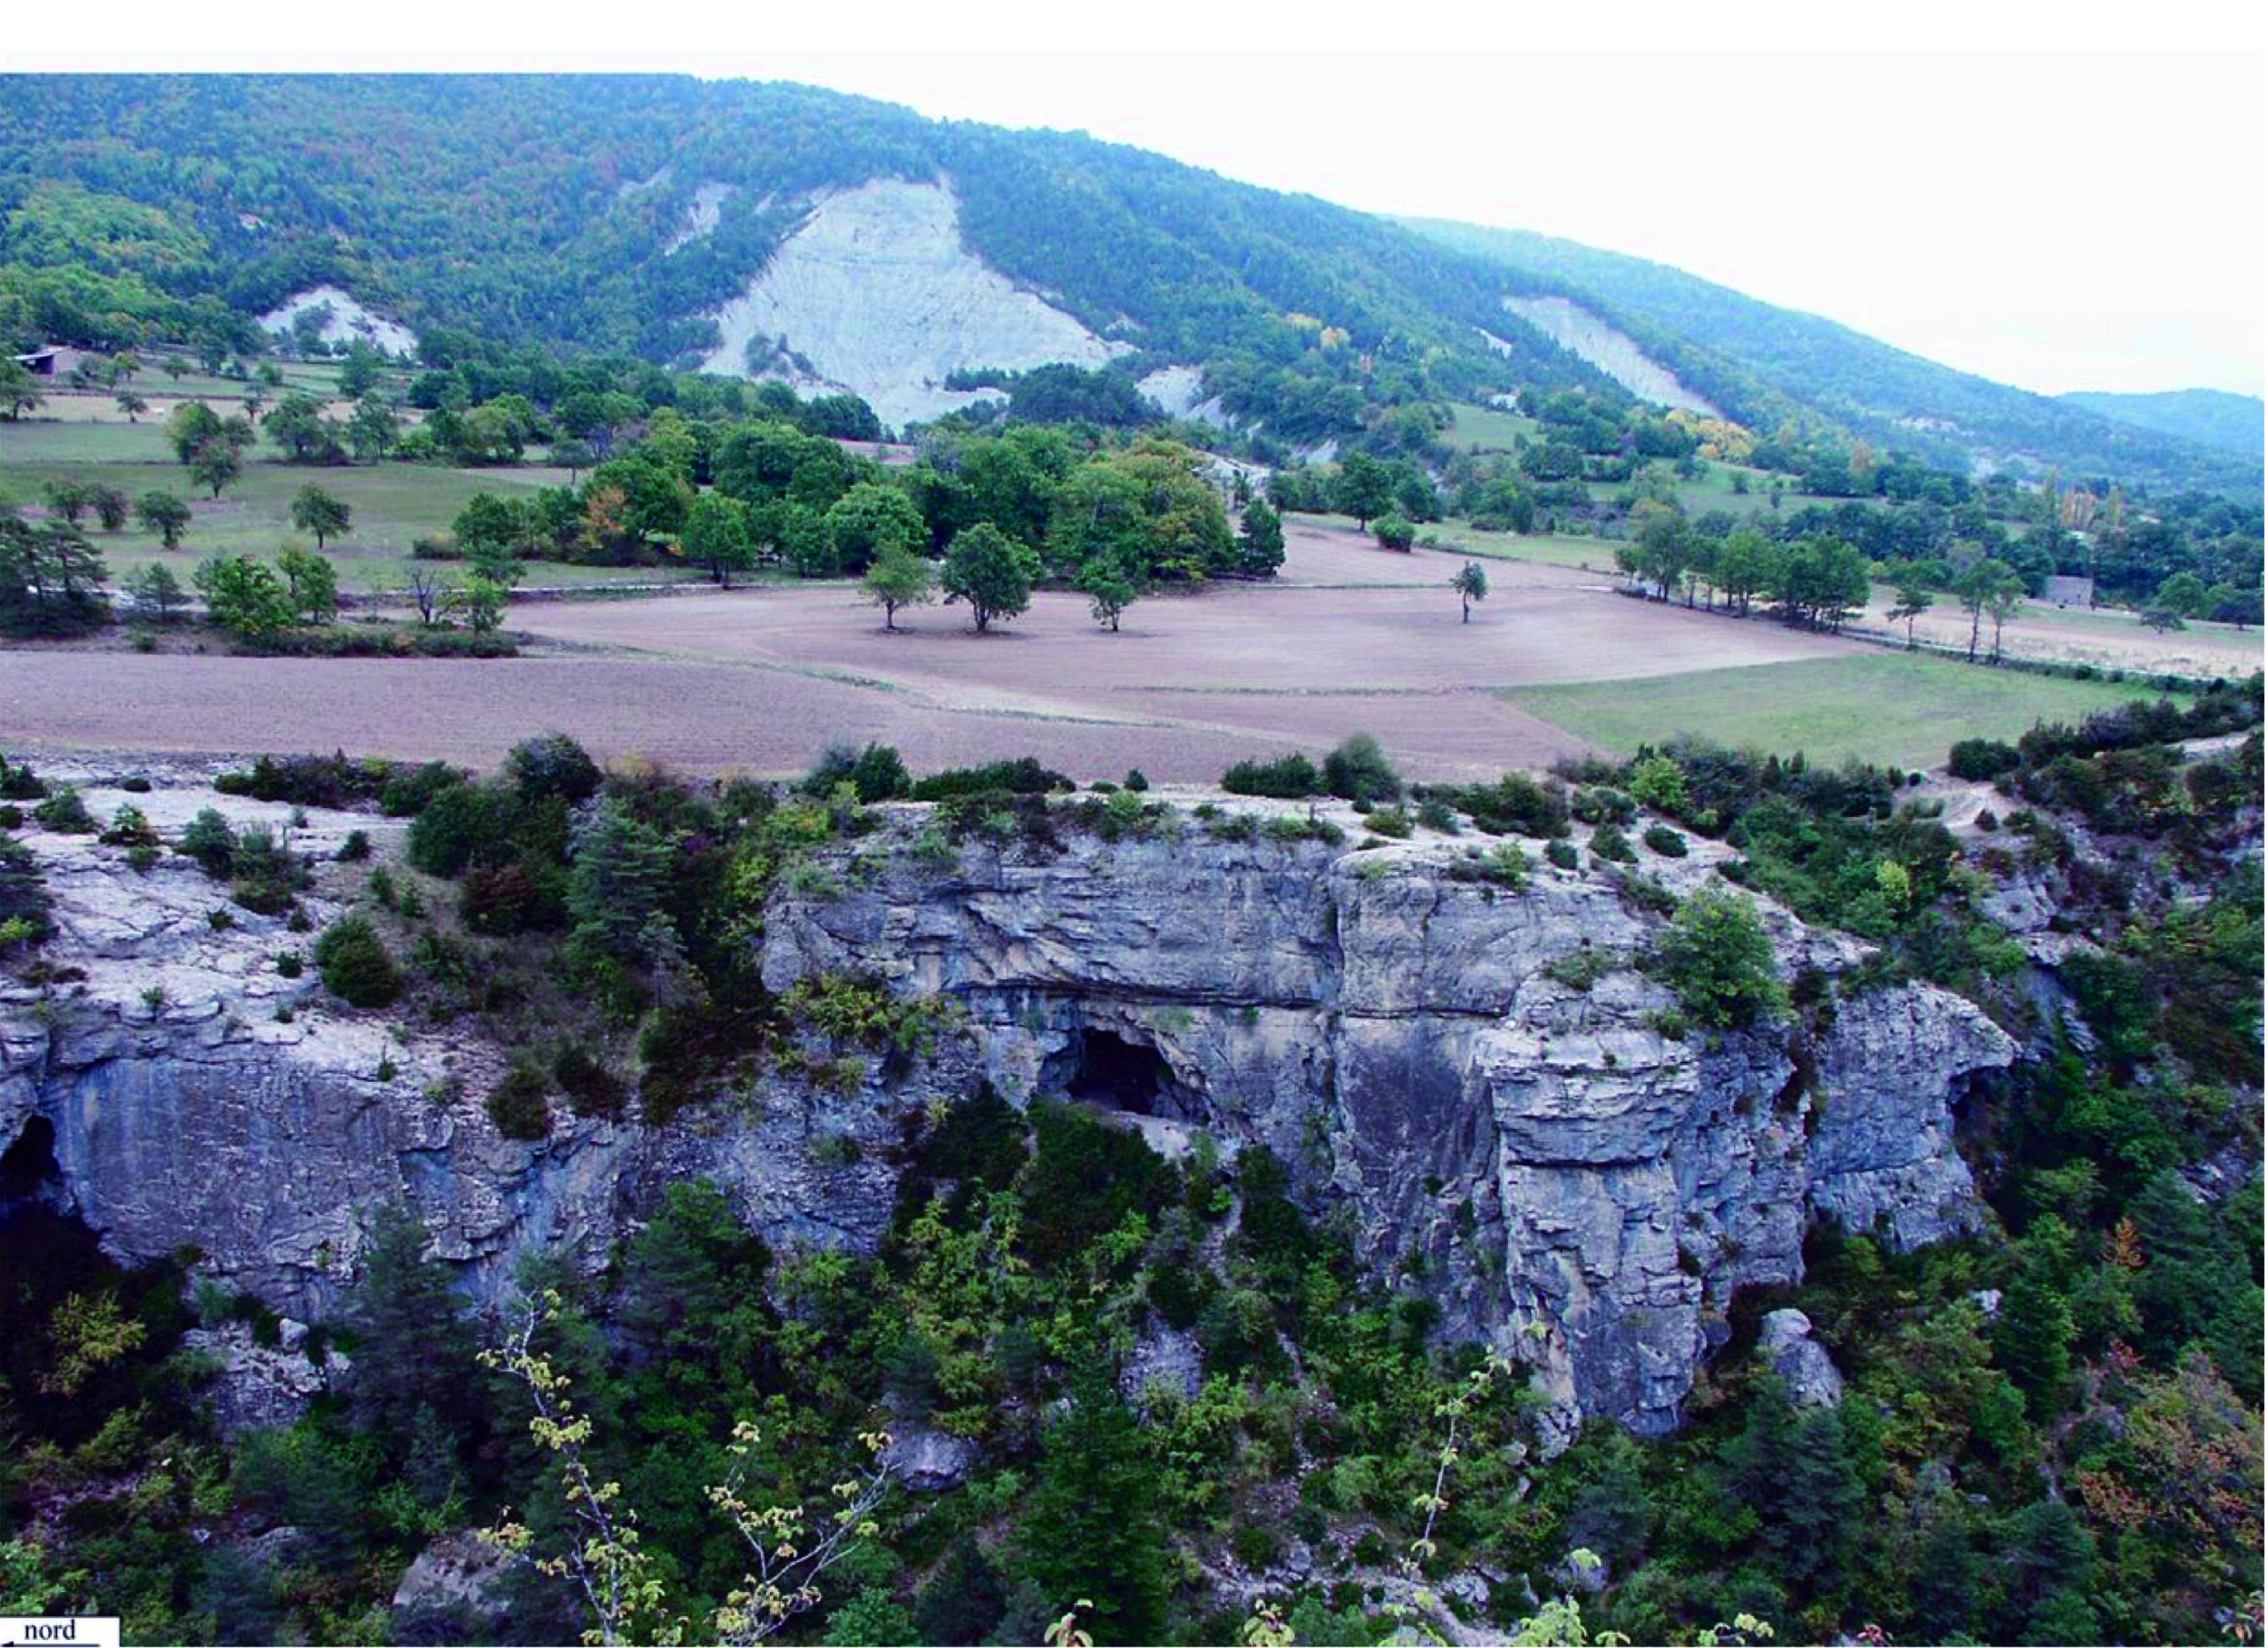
1879, 707
1492, 429
394, 503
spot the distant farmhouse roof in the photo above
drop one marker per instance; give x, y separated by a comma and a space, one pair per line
2069, 592
42, 361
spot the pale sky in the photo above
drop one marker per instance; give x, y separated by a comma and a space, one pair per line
2082, 219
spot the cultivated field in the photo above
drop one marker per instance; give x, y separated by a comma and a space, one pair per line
1354, 637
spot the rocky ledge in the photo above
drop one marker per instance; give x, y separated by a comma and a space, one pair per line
1479, 1073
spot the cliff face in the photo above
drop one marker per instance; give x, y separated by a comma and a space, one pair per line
1564, 1178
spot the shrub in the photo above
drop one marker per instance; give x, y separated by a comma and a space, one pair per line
408, 794
290, 964
463, 824
65, 814
1604, 804
876, 773
591, 1088
1394, 532
1136, 780
518, 1106
355, 848
130, 829
19, 782
1719, 959
1516, 803
1438, 816
552, 764
1023, 776
1289, 778
1563, 853
1358, 770
1611, 844
1665, 840
506, 898
355, 966
209, 840
1391, 821
1659, 783
1980, 759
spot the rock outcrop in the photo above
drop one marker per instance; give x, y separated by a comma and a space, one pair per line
1512, 1112
875, 293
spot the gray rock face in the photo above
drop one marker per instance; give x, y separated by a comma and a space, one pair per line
929, 1461
1580, 1189
1571, 1184
1813, 1378
258, 1386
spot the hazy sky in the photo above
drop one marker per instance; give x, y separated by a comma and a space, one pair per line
2055, 219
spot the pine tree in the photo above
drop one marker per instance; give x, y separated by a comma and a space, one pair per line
412, 1347
1094, 1529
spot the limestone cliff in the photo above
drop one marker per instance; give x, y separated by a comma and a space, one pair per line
1475, 1073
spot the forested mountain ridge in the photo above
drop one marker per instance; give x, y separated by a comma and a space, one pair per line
556, 209
1762, 364
624, 213
2212, 418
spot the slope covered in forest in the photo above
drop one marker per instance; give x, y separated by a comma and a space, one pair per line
1763, 364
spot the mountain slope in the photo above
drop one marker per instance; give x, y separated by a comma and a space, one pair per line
626, 212
2212, 417
1758, 360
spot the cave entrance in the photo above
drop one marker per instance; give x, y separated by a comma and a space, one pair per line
1114, 1074
28, 1165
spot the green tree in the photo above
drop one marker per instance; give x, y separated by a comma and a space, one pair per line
716, 537
1914, 599
616, 885
165, 514
373, 429
2185, 592
215, 464
244, 596
990, 572
321, 513
157, 592
51, 579
414, 1349
358, 376
1748, 566
1260, 540
1110, 590
1985, 588
68, 500
1364, 488
110, 505
1471, 584
1094, 1529
867, 520
299, 425
1718, 958
19, 390
900, 578
313, 583
132, 404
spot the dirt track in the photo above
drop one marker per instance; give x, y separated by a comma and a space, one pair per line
760, 681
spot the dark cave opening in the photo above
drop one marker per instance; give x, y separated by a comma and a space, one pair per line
28, 1165
1114, 1074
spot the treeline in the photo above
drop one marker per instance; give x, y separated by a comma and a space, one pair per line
730, 496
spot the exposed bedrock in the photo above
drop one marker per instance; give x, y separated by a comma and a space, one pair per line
1564, 1178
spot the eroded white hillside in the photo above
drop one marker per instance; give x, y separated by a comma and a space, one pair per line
875, 293
348, 319
1612, 351
701, 215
